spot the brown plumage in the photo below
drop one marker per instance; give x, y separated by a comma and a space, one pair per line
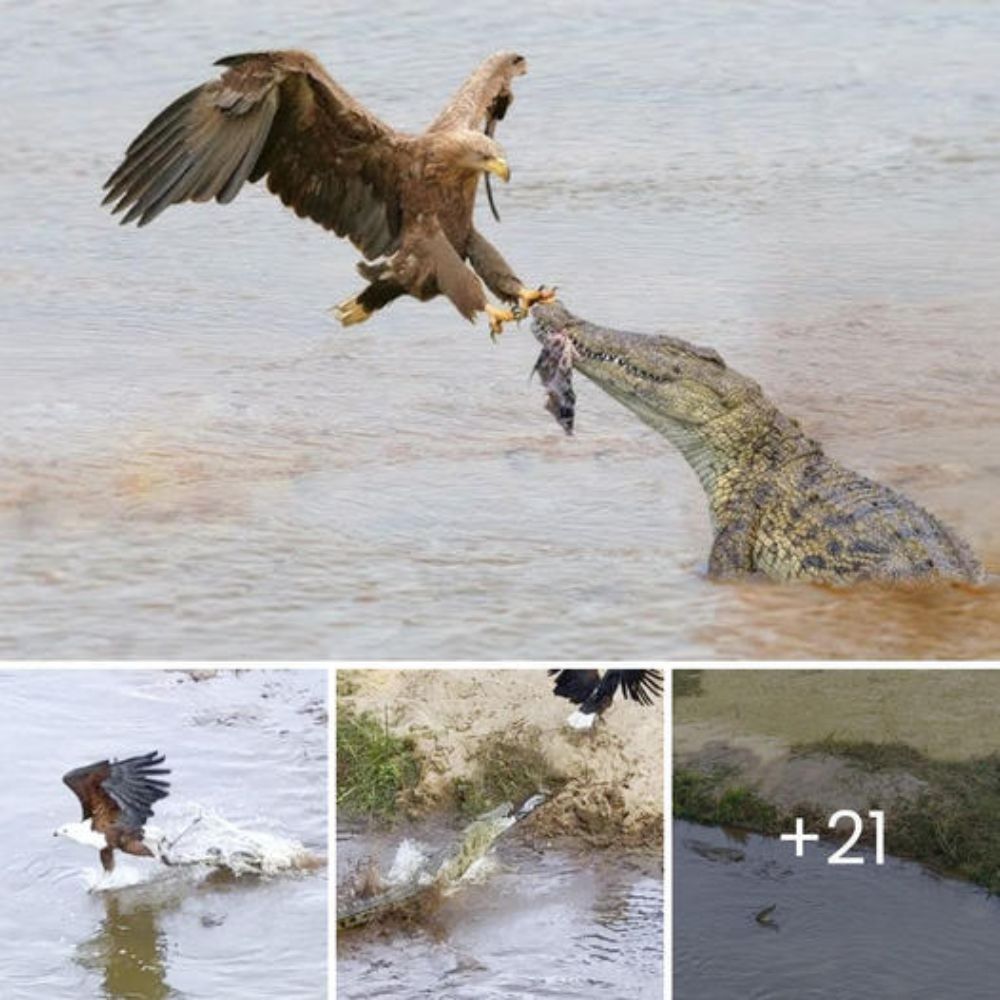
404, 201
118, 796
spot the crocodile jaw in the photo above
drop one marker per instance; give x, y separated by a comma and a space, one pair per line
711, 414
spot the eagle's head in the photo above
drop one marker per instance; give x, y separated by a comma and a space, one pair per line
81, 833
471, 152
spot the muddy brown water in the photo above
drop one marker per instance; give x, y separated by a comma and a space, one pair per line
248, 749
197, 462
895, 931
539, 922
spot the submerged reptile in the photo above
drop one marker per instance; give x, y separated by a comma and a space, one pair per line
441, 869
779, 506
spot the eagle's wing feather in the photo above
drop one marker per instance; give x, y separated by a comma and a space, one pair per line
134, 785
120, 792
641, 685
484, 97
85, 783
588, 686
277, 114
576, 685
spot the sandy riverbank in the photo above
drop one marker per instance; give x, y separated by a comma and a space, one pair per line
613, 778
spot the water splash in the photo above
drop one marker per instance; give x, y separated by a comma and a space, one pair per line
205, 838
409, 859
123, 876
196, 842
480, 870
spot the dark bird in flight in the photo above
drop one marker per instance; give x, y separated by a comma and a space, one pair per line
117, 797
405, 201
594, 693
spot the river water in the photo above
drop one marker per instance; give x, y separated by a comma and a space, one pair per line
247, 753
553, 922
894, 932
196, 461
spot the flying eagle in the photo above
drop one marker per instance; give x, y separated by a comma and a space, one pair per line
405, 201
594, 693
117, 797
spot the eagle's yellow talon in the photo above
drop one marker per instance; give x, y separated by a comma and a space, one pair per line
497, 319
528, 297
350, 312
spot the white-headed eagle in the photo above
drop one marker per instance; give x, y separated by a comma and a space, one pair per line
405, 201
594, 693
117, 797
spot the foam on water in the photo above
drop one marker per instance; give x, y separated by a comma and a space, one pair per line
123, 877
197, 839
203, 837
409, 859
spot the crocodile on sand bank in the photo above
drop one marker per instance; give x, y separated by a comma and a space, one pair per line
779, 506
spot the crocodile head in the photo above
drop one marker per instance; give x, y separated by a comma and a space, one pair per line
667, 382
720, 420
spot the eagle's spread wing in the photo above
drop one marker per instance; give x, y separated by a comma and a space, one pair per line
484, 97
589, 688
482, 101
576, 685
119, 792
276, 114
641, 685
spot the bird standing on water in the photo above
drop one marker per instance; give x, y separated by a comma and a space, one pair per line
405, 201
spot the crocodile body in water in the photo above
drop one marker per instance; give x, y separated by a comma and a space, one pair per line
442, 869
779, 506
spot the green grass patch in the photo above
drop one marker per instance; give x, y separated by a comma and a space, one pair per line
508, 766
347, 684
952, 825
865, 754
709, 797
374, 766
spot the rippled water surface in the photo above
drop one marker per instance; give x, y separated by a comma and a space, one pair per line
901, 932
248, 753
550, 922
196, 461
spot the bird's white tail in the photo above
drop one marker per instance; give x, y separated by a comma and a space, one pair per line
581, 720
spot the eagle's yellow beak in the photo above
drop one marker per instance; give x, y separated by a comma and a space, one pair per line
498, 165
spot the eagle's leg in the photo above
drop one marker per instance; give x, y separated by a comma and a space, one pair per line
501, 280
108, 859
378, 294
135, 845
